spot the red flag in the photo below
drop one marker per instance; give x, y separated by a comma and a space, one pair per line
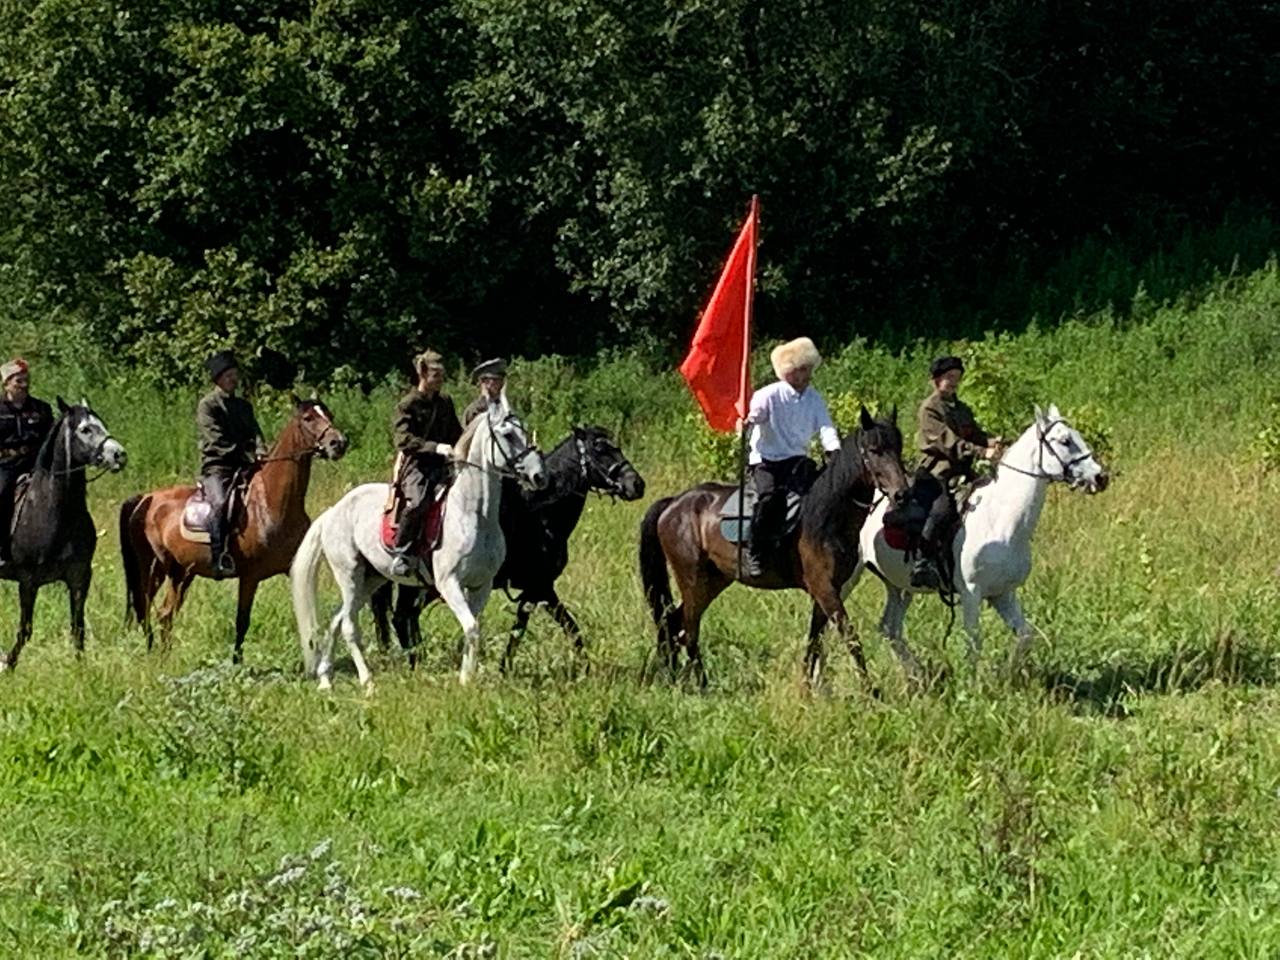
717, 367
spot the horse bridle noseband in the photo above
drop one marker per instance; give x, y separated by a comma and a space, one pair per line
97, 452
610, 478
1042, 444
509, 466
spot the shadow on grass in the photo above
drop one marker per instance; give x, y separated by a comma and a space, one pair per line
1228, 661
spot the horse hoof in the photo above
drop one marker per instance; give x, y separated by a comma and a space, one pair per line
4, 663
326, 685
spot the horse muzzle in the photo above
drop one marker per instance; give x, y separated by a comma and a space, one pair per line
631, 486
113, 456
335, 448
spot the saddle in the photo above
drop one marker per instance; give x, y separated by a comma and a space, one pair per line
432, 532
739, 531
904, 527
197, 511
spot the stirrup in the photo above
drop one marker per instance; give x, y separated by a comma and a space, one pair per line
224, 565
925, 576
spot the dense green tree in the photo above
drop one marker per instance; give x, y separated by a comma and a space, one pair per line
346, 179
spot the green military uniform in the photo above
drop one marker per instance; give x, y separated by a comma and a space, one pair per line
230, 440
950, 441
419, 425
228, 433
950, 438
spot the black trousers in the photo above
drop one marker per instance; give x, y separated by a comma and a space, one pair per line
419, 479
942, 513
9, 474
772, 479
217, 491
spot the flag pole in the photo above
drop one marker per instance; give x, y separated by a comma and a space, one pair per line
744, 382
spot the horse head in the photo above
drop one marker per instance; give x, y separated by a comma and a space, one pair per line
86, 439
511, 452
880, 443
1062, 454
318, 431
604, 466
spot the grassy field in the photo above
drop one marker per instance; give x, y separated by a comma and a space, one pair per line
1121, 804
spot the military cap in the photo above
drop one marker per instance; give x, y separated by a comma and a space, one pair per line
945, 365
427, 358
11, 369
497, 367
219, 363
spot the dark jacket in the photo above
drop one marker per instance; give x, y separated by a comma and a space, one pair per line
476, 407
23, 430
950, 437
228, 432
421, 422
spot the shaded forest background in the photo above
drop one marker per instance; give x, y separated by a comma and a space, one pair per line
344, 179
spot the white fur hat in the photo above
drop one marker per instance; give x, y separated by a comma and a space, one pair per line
793, 355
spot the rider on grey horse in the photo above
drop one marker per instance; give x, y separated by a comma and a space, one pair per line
25, 422
784, 417
426, 428
230, 441
951, 441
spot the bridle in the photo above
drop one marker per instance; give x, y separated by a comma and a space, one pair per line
508, 466
317, 447
95, 459
1043, 443
610, 482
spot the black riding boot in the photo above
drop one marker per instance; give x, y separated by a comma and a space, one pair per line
217, 490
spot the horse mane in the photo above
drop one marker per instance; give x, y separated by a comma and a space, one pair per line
824, 510
49, 449
462, 449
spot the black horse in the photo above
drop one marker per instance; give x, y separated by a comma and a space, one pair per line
536, 525
53, 534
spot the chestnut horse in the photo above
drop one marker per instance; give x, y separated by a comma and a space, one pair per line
266, 531
684, 531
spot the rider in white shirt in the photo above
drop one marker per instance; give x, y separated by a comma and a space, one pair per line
784, 417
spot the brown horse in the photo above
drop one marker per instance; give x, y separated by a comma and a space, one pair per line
684, 531
267, 530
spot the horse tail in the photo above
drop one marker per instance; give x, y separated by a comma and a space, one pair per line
135, 597
653, 566
302, 583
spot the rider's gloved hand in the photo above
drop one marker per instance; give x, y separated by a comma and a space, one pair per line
444, 449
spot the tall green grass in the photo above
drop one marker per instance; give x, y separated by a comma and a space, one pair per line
1122, 804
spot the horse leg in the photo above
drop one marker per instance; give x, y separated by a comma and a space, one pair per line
152, 580
26, 612
560, 613
77, 592
380, 607
524, 610
1010, 611
408, 609
179, 581
891, 626
244, 610
972, 608
355, 593
465, 605
696, 600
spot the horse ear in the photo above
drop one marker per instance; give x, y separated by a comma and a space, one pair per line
893, 414
315, 395
1053, 412
864, 418
84, 402
62, 405
1039, 415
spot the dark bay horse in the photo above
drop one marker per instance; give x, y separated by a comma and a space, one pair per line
53, 534
684, 531
266, 533
537, 525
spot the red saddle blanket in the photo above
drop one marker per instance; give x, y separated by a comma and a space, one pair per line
430, 536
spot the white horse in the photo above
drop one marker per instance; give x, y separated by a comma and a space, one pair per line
992, 550
471, 550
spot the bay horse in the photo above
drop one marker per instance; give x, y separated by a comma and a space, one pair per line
53, 534
266, 531
991, 552
684, 531
348, 535
536, 525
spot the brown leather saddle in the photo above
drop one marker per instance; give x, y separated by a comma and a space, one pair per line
198, 511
